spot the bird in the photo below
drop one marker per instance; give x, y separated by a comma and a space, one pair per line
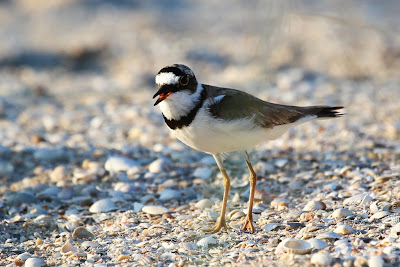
219, 120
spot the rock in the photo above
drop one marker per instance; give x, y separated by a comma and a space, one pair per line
314, 205
34, 262
16, 199
82, 233
6, 168
159, 165
47, 154
204, 203
155, 210
169, 194
342, 213
204, 173
116, 164
103, 205
281, 162
59, 173
322, 259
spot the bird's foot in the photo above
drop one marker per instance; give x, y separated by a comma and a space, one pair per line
249, 223
221, 223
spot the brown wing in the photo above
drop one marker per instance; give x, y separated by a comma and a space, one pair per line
239, 105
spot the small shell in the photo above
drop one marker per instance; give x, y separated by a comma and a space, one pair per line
277, 202
21, 258
155, 210
116, 164
82, 233
359, 199
395, 230
103, 205
392, 219
204, 203
206, 241
379, 215
297, 246
235, 215
270, 226
342, 213
68, 248
145, 261
188, 246
321, 259
34, 262
376, 261
315, 205
123, 258
328, 236
317, 243
344, 229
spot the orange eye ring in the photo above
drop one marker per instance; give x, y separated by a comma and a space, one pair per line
184, 80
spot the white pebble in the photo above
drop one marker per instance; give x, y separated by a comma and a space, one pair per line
102, 205
204, 203
342, 213
158, 165
116, 164
321, 259
206, 241
34, 262
376, 261
203, 173
169, 194
281, 162
155, 210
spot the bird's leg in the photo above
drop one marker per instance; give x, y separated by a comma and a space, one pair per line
253, 181
221, 222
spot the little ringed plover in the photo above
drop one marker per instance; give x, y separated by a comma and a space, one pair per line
217, 120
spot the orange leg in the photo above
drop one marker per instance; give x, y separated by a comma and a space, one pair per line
253, 182
221, 222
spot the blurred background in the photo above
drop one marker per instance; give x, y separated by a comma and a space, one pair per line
81, 73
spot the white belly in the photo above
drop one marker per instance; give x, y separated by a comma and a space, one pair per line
216, 136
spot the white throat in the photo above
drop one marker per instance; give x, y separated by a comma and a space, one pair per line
180, 103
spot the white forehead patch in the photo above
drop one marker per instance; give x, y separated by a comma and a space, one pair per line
166, 78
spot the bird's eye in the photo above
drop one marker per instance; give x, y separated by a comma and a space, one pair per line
184, 80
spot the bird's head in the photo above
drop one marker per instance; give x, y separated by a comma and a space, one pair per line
172, 79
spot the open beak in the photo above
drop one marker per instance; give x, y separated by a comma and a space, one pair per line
163, 93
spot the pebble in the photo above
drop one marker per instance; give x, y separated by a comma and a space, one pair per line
14, 199
115, 164
82, 233
314, 205
155, 210
103, 205
342, 213
6, 168
322, 259
204, 203
59, 173
205, 242
317, 243
344, 229
376, 261
203, 173
35, 262
270, 226
281, 162
159, 165
169, 194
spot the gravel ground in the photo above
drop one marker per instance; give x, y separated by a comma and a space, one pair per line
90, 175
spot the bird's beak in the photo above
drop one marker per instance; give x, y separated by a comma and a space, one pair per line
163, 93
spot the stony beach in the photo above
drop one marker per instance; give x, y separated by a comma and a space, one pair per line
91, 176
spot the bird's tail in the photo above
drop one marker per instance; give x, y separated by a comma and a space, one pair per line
325, 111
